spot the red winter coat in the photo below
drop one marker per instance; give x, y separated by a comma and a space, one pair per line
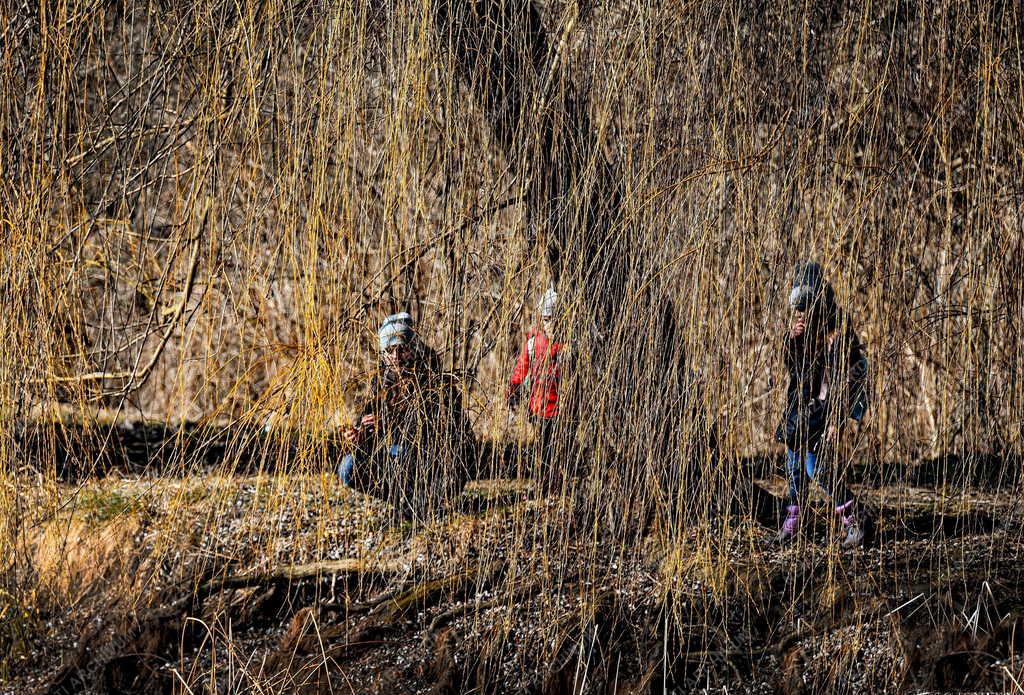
537, 371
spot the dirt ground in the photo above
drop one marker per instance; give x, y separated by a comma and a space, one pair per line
275, 583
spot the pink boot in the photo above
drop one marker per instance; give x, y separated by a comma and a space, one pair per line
790, 527
848, 516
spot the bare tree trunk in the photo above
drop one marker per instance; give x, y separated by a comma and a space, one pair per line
574, 206
574, 195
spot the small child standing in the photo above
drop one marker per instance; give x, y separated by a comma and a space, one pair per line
537, 373
827, 386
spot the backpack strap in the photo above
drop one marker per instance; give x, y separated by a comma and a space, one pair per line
531, 352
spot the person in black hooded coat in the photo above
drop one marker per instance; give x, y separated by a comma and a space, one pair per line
827, 387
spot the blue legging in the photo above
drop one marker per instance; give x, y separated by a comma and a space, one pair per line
831, 483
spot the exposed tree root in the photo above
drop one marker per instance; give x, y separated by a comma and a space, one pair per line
106, 660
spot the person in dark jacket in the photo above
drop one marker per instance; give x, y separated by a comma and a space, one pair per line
827, 388
412, 443
537, 374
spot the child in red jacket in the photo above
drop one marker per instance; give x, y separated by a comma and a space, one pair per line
537, 373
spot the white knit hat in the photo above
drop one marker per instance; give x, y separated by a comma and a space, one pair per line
548, 304
397, 329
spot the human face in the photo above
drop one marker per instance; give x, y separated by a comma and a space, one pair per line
548, 323
397, 357
799, 324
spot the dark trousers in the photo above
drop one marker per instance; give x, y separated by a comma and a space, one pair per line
361, 477
547, 436
558, 461
379, 475
404, 477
